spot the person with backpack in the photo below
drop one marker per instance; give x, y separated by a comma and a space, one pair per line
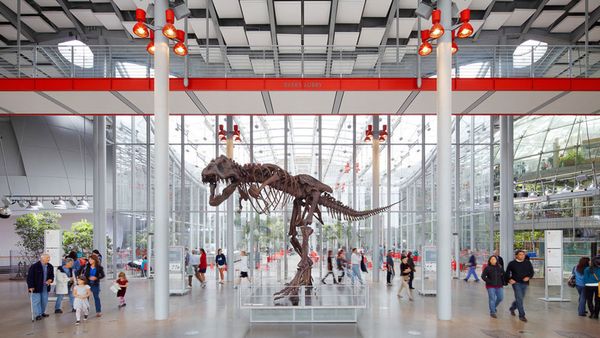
591, 278
493, 275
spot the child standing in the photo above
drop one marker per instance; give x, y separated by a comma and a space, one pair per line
123, 283
81, 292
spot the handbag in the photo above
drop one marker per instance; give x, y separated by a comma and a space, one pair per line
571, 281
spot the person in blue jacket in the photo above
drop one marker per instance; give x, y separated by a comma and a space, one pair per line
578, 270
39, 278
591, 278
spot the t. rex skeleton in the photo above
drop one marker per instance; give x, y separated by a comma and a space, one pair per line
268, 187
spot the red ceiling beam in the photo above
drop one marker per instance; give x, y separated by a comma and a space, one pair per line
299, 84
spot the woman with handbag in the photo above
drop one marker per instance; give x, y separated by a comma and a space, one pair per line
493, 275
578, 278
405, 271
591, 278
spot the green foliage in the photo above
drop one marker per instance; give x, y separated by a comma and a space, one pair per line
573, 157
80, 237
30, 229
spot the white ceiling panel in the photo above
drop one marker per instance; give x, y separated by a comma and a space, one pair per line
316, 12
546, 18
519, 16
288, 40
405, 27
377, 8
179, 102
29, 103
462, 4
371, 36
228, 9
86, 16
479, 5
425, 102
234, 35
290, 67
288, 13
239, 62
260, 66
568, 24
580, 7
495, 20
259, 40
557, 2
214, 55
349, 11
220, 102
256, 12
512, 102
10, 33
339, 67
345, 40
91, 102
25, 7
366, 61
314, 67
125, 5
407, 4
312, 40
593, 35
198, 25
393, 55
109, 20
301, 102
59, 19
196, 4
38, 24
574, 103
372, 102
47, 3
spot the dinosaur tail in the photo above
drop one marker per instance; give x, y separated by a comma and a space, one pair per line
342, 212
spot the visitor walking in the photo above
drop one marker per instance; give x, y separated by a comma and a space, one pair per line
405, 276
64, 284
591, 277
123, 283
82, 293
329, 267
390, 267
94, 272
411, 276
144, 266
221, 262
39, 278
356, 258
341, 263
493, 275
202, 268
578, 272
363, 262
194, 262
243, 268
472, 267
518, 273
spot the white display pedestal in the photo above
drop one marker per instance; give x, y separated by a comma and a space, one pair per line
553, 267
177, 273
428, 271
53, 247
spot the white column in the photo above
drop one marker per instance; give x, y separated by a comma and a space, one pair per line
100, 184
444, 167
506, 188
229, 230
161, 165
375, 196
457, 233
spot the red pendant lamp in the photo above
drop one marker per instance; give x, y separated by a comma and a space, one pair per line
140, 29
437, 30
169, 29
465, 30
454, 45
180, 48
150, 47
425, 48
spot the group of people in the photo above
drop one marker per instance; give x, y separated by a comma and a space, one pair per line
347, 265
196, 263
587, 277
77, 278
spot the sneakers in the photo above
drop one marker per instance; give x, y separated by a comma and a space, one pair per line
77, 322
38, 317
523, 319
45, 315
203, 285
85, 317
58, 311
512, 312
493, 315
389, 284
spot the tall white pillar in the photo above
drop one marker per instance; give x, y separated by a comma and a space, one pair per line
506, 188
444, 167
229, 229
161, 165
100, 184
375, 190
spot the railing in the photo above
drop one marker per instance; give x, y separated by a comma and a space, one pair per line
299, 61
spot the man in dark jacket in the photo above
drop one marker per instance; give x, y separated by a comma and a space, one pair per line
39, 278
390, 267
518, 274
472, 267
411, 276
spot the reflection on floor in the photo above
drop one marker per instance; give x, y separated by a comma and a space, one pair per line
214, 312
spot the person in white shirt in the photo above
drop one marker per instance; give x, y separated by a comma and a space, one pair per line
194, 262
243, 267
356, 259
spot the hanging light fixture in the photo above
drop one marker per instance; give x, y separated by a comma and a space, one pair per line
31, 207
236, 133
383, 133
465, 30
437, 30
140, 29
454, 45
150, 47
222, 134
425, 48
180, 48
169, 29
37, 204
59, 204
82, 204
369, 133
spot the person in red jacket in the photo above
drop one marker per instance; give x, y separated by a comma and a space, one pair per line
202, 268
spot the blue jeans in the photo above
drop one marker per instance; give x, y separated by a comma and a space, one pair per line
495, 296
59, 299
40, 301
96, 292
581, 307
472, 272
356, 273
520, 289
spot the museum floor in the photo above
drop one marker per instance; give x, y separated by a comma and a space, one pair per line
213, 312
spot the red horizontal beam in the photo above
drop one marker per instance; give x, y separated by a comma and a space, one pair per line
299, 84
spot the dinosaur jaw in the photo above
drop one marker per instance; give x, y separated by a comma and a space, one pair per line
218, 196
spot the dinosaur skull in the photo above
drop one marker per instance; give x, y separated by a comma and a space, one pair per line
221, 170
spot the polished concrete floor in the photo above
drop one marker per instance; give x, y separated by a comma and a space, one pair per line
213, 312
